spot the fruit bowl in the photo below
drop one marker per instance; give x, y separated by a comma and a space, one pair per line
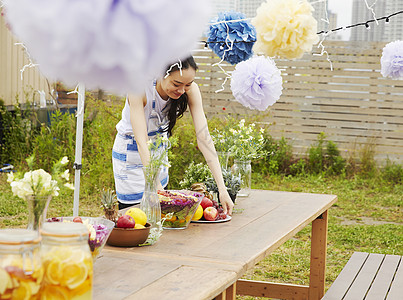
128, 237
99, 228
182, 204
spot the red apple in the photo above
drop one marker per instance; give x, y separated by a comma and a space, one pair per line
77, 220
206, 202
210, 213
125, 221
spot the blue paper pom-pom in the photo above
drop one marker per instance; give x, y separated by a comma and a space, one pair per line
240, 35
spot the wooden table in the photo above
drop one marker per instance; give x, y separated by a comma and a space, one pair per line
207, 260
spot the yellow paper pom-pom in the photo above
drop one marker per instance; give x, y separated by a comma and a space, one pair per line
285, 28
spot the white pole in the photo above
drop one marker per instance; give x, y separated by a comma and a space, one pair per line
79, 146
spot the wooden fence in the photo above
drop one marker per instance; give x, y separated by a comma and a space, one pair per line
352, 104
12, 60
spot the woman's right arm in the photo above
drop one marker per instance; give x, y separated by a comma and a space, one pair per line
139, 125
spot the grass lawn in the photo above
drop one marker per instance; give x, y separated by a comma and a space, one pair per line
367, 217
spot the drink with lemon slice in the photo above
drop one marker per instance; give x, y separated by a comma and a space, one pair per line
67, 262
21, 270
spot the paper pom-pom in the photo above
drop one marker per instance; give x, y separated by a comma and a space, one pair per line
240, 35
256, 83
116, 45
392, 60
285, 28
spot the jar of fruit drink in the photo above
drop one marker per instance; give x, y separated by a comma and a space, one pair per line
67, 261
21, 270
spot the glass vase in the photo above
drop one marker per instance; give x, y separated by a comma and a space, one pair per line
243, 169
150, 203
37, 209
223, 159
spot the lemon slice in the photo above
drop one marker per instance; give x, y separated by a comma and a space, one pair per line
5, 281
23, 292
54, 293
74, 275
53, 272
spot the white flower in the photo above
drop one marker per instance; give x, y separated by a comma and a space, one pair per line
10, 177
64, 160
69, 185
65, 175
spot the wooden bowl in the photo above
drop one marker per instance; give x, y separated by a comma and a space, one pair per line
128, 237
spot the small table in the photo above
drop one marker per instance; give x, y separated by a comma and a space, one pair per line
207, 260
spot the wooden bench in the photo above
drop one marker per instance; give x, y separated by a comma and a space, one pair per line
369, 276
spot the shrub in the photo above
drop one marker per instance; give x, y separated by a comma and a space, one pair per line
325, 157
19, 130
392, 173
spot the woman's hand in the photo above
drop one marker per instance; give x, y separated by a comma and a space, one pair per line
226, 202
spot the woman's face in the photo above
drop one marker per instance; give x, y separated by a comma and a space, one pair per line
176, 84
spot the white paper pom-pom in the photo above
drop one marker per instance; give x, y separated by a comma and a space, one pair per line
113, 44
257, 83
392, 60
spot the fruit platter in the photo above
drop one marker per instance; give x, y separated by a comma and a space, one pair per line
209, 211
180, 206
99, 229
131, 229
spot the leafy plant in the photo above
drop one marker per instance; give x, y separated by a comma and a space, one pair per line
232, 183
195, 173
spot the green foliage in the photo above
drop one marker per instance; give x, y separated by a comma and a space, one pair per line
184, 152
19, 130
392, 173
195, 173
325, 157
55, 140
367, 160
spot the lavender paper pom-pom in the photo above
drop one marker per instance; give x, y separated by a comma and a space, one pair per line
240, 35
392, 60
117, 45
257, 83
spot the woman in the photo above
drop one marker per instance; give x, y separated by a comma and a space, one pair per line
165, 100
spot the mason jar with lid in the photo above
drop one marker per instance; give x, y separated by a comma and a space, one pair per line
21, 270
67, 261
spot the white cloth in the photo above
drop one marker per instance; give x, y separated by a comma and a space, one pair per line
127, 165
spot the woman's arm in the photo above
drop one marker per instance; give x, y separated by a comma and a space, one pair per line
206, 145
139, 126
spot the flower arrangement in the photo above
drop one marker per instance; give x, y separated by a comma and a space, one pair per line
223, 140
38, 186
285, 28
257, 83
232, 182
231, 41
392, 60
248, 141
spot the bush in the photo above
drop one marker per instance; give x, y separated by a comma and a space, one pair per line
325, 157
19, 130
392, 173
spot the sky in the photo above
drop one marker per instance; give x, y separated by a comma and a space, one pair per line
343, 8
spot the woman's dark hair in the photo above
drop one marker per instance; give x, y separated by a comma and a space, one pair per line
179, 106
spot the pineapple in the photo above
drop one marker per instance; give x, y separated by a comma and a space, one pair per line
201, 188
109, 204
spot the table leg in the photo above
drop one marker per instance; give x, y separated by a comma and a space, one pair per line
228, 294
318, 257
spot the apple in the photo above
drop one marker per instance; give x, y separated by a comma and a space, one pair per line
210, 213
125, 221
206, 202
77, 220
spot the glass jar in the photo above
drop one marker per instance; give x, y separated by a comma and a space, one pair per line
67, 261
150, 202
21, 270
243, 169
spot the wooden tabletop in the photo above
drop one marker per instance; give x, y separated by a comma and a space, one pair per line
203, 260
